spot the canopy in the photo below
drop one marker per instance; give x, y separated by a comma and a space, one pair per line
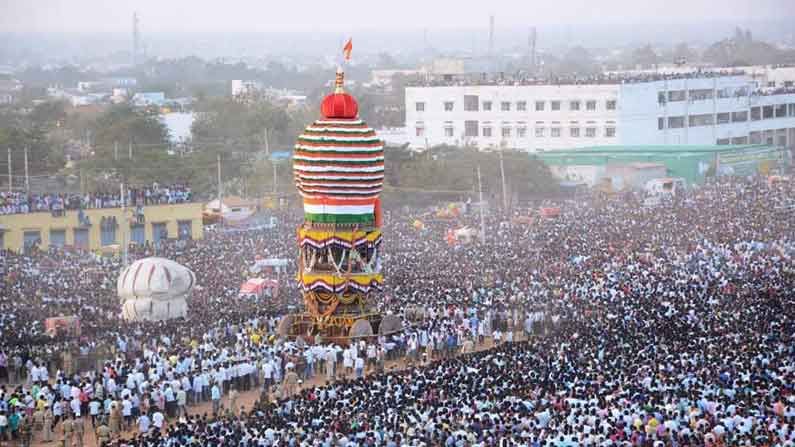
257, 286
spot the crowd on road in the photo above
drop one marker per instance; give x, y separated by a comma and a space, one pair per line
669, 325
16, 202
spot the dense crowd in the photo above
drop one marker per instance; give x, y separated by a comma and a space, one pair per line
669, 325
601, 78
16, 202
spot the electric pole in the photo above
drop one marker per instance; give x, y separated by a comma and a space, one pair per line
124, 224
504, 192
220, 193
267, 143
116, 150
27, 176
10, 178
275, 179
129, 150
482, 217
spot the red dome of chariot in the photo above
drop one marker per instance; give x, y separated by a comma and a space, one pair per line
339, 105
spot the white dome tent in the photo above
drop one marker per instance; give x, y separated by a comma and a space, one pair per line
155, 289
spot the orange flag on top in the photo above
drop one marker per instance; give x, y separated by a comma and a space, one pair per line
346, 50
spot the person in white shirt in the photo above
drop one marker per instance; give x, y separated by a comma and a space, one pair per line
143, 424
157, 420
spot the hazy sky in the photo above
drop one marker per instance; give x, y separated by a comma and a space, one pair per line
345, 15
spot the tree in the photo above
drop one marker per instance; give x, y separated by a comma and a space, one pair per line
124, 124
645, 57
742, 50
577, 61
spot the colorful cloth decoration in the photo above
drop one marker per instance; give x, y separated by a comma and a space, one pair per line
338, 164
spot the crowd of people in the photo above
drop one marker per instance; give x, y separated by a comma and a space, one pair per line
614, 324
600, 78
16, 202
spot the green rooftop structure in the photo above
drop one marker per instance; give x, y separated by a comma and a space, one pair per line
690, 162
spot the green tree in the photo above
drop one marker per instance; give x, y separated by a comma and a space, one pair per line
645, 57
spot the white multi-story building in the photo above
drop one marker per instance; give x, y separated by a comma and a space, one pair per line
689, 109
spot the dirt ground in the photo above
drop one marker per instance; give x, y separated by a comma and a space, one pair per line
245, 399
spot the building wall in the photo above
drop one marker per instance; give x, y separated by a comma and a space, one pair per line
639, 117
14, 226
434, 120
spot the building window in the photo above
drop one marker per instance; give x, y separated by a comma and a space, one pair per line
471, 128
724, 118
521, 106
706, 119
723, 141
31, 238
419, 106
554, 132
701, 94
107, 235
590, 105
676, 122
554, 105
448, 132
740, 117
677, 95
740, 140
590, 132
767, 112
185, 228
448, 106
660, 123
574, 132
159, 232
521, 132
506, 132
756, 113
781, 111
505, 106
487, 131
539, 132
138, 234
791, 110
2, 240
471, 103
610, 104
419, 131
487, 106
539, 106
81, 238
610, 131
574, 105
57, 238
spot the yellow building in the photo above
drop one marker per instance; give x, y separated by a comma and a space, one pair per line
101, 227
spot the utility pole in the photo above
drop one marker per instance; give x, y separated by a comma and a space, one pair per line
124, 224
275, 179
220, 193
267, 143
482, 217
10, 178
129, 150
504, 192
116, 150
27, 176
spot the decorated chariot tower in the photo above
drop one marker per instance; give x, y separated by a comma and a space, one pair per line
338, 166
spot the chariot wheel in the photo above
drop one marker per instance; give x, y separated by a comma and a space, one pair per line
285, 326
361, 328
390, 324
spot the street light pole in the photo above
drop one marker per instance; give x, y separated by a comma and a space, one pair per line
482, 217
